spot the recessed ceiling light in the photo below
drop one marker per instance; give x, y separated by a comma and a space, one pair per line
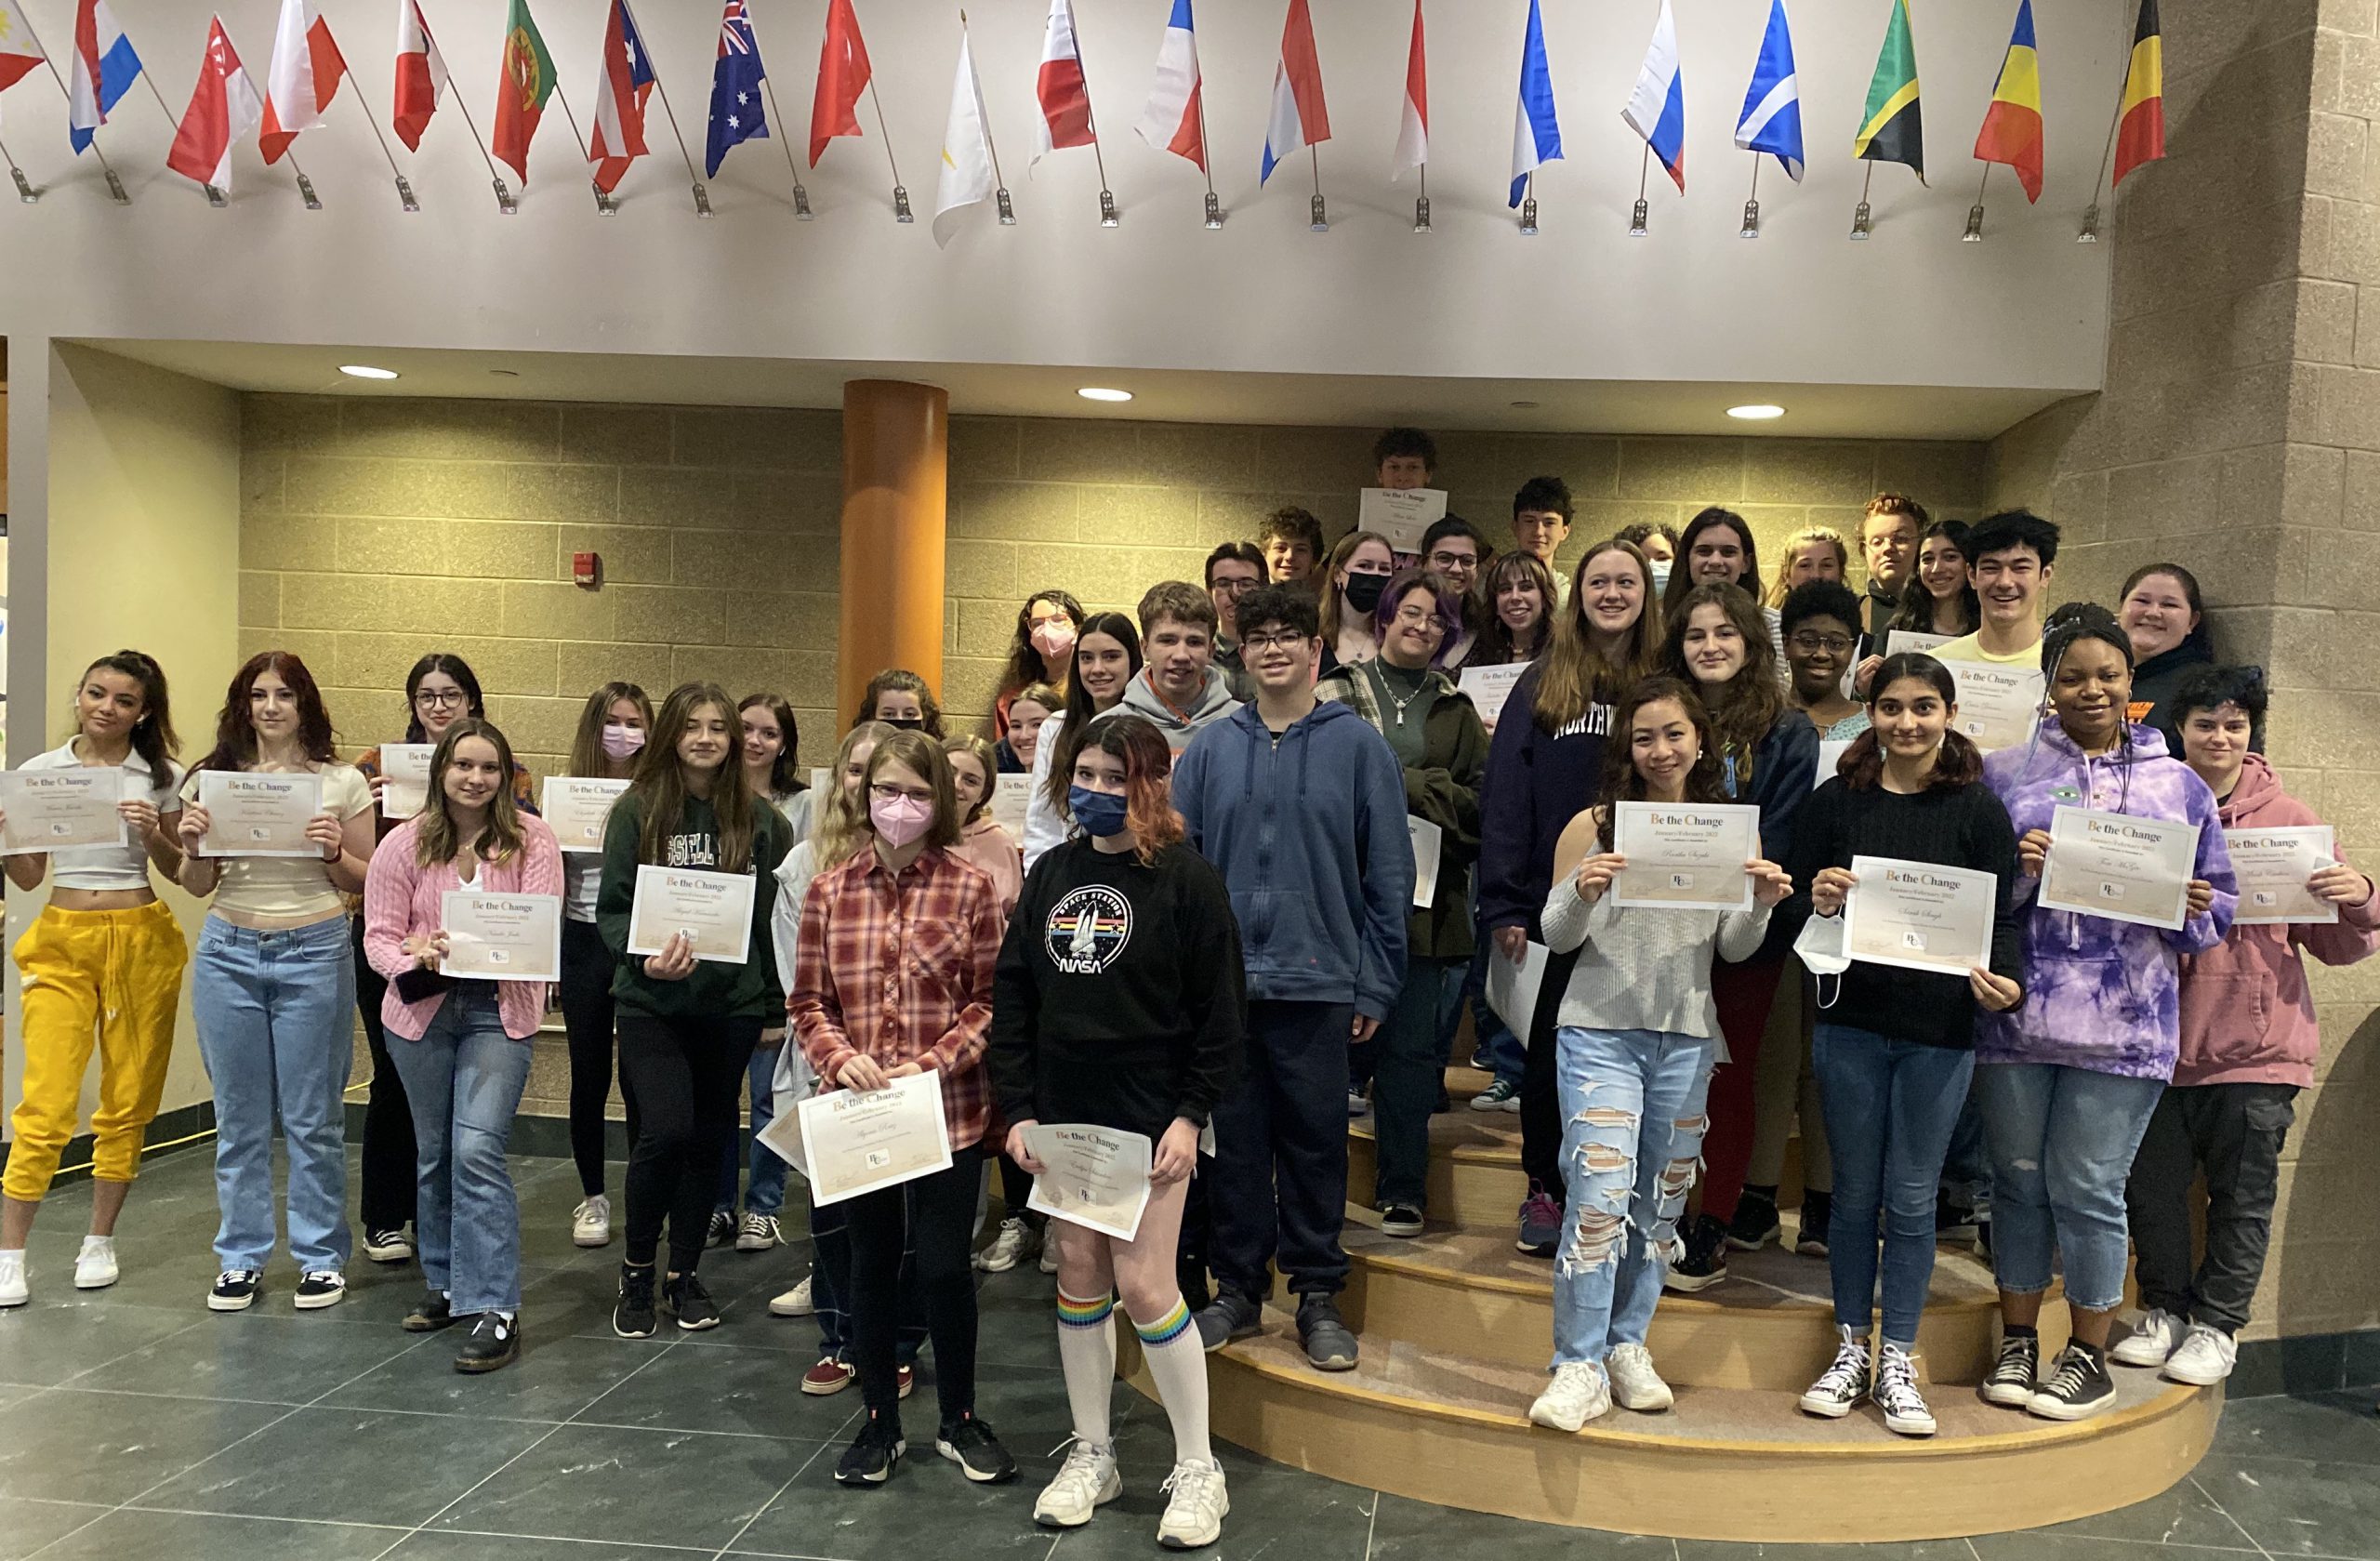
1757, 412
1097, 392
365, 371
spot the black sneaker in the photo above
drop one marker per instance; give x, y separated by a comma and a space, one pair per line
1400, 1219
2077, 1387
318, 1287
873, 1454
690, 1301
2011, 1384
388, 1245
1329, 1343
1541, 1224
494, 1341
1755, 1225
235, 1291
1816, 1210
721, 1229
432, 1312
1705, 1263
1953, 1221
1232, 1315
968, 1443
632, 1316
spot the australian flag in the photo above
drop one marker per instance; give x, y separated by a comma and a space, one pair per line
735, 97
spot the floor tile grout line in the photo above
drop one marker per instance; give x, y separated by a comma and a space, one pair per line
2256, 1544
1371, 1523
778, 1495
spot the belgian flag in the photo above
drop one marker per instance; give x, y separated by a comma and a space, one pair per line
1890, 130
2140, 129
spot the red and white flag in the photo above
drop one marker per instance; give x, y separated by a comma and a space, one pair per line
307, 68
421, 75
1414, 130
223, 108
1065, 96
18, 54
621, 87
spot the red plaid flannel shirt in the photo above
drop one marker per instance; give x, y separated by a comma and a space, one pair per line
901, 969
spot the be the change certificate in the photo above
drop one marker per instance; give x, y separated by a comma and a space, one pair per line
714, 910
1686, 857
1919, 915
1098, 1177
259, 812
853, 1144
1490, 687
404, 773
1999, 706
577, 808
1401, 514
2272, 866
54, 810
2122, 867
1428, 841
1010, 796
501, 937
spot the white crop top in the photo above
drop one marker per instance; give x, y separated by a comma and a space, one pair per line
289, 891
109, 867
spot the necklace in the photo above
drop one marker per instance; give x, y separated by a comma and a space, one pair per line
1379, 680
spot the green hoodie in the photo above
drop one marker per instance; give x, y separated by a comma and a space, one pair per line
714, 990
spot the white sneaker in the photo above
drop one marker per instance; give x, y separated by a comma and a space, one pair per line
794, 1303
1579, 1394
1194, 1516
2206, 1357
1007, 1247
2151, 1340
590, 1222
13, 1288
756, 1233
1049, 1255
1897, 1395
1843, 1384
94, 1264
1086, 1481
1634, 1383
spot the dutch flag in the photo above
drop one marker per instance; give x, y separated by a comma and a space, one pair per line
103, 69
1536, 138
1298, 119
1657, 109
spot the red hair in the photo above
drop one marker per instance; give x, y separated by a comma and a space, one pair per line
235, 730
1149, 769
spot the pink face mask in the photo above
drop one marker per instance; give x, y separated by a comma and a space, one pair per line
622, 742
900, 819
1054, 639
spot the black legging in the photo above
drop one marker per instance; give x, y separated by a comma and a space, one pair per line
1541, 1081
389, 1175
585, 994
684, 1072
943, 1206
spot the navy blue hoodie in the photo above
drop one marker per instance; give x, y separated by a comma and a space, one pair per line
1308, 831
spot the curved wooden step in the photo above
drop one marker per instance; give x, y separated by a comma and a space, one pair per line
1476, 1180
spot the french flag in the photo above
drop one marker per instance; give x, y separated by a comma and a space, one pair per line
1174, 120
1300, 119
1657, 109
103, 69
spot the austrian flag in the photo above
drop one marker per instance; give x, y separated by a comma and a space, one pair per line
223, 108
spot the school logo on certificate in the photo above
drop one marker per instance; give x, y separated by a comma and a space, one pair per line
1088, 930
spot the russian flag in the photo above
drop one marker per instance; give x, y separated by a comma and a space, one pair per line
102, 70
1172, 121
1537, 135
1657, 109
1299, 118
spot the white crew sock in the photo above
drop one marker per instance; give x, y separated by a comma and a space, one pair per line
1086, 1351
1178, 1364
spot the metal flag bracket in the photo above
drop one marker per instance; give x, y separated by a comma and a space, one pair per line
1214, 210
1008, 211
505, 201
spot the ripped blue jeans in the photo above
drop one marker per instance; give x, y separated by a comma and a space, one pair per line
1633, 1120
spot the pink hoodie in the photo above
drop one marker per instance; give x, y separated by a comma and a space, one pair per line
2247, 1014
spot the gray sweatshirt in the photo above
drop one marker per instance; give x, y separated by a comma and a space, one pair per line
1644, 969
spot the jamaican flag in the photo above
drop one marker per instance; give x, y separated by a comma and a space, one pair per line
1890, 130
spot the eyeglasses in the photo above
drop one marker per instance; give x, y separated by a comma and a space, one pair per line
437, 698
1419, 618
884, 793
1832, 644
1289, 639
1454, 560
1233, 588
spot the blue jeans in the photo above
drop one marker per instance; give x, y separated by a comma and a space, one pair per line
1966, 1169
1890, 1108
764, 1193
463, 1080
275, 1016
1493, 1042
1633, 1122
2062, 1143
1408, 1069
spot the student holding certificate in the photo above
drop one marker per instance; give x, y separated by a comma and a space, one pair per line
1938, 600
462, 1045
273, 984
1894, 1047
2068, 1079
1118, 1004
892, 977
687, 1025
103, 962
2248, 1045
1639, 1031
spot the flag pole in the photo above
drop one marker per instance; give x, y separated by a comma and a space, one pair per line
1644, 173
1861, 214
214, 197
607, 204
901, 212
1206, 164
115, 185
1108, 217
1321, 222
1528, 203
2089, 232
404, 191
702, 196
505, 201
1752, 202
1421, 203
25, 191
801, 196
305, 185
999, 184
1974, 213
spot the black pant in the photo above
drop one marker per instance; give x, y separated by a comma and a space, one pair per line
585, 993
1015, 1187
389, 1170
686, 1072
1540, 1085
1281, 1164
935, 1216
2235, 1131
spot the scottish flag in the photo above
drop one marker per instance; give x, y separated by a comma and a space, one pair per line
1536, 138
1772, 116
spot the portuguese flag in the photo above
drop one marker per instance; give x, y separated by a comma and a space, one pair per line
521, 96
2140, 132
1890, 130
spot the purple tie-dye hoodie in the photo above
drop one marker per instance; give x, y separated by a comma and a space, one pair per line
2101, 994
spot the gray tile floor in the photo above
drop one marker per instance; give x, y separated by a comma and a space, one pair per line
135, 1424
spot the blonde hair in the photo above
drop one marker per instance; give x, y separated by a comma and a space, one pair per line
1809, 536
980, 750
1340, 556
838, 829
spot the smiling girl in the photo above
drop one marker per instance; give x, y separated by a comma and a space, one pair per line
613, 726
1107, 658
2164, 617
1520, 618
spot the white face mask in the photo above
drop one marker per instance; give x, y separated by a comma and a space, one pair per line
1820, 948
1660, 568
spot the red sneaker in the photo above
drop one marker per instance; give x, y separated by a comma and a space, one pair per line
830, 1375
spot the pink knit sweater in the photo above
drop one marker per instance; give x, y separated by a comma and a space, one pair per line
400, 898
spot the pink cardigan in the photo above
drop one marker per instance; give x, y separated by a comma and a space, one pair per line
400, 897
985, 845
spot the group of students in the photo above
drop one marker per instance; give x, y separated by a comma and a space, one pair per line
1211, 931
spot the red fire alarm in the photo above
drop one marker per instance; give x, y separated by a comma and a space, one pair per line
587, 569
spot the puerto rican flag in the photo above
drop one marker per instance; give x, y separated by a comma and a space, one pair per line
1174, 118
1066, 97
1300, 119
103, 69
623, 83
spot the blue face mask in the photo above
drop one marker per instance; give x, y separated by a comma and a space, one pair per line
1101, 813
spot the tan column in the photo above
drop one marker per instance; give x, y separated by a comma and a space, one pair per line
896, 440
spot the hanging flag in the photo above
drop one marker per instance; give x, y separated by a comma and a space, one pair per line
1772, 116
2140, 133
621, 87
421, 75
224, 107
2011, 125
1064, 94
843, 75
1175, 119
307, 68
1536, 135
736, 98
1890, 128
1413, 127
520, 96
1657, 109
968, 178
19, 53
102, 70
1300, 119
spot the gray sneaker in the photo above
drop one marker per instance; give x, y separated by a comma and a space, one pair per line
1329, 1343
1232, 1315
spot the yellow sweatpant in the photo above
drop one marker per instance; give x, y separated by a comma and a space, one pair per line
110, 976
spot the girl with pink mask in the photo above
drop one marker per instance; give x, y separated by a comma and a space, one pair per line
1043, 652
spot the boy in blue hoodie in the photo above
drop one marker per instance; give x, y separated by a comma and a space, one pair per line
1301, 806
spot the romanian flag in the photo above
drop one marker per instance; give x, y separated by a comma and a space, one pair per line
2011, 126
2140, 132
1890, 130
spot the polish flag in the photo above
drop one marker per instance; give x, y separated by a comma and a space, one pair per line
1174, 120
1065, 96
1413, 131
223, 108
307, 68
421, 75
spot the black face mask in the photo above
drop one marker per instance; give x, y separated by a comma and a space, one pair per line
1364, 592
906, 723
